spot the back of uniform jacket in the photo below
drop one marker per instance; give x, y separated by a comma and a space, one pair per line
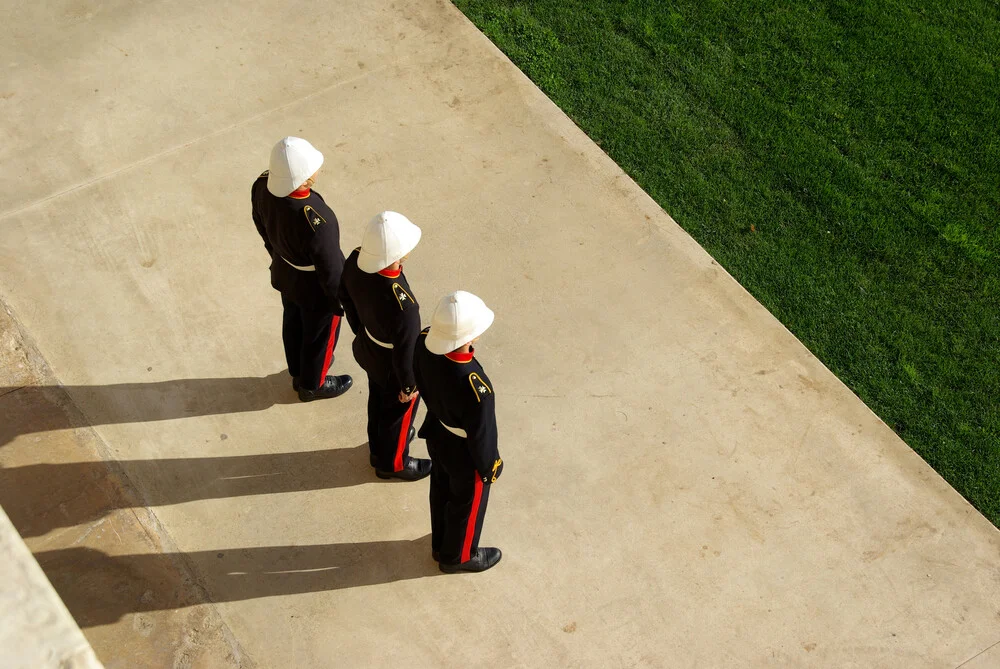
381, 307
459, 395
302, 232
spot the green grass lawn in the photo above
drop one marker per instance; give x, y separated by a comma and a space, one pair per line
840, 159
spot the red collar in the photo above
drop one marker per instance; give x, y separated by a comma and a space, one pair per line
300, 193
392, 274
461, 357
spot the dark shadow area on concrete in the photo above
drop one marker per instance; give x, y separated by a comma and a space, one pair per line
42, 497
99, 588
144, 402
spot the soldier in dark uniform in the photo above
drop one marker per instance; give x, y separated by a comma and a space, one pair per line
302, 236
461, 431
386, 321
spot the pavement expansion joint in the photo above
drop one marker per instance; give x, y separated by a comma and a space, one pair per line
979, 654
185, 145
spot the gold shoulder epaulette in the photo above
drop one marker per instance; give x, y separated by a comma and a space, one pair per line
402, 297
479, 387
313, 217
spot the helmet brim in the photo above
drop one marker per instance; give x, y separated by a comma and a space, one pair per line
280, 181
439, 344
372, 262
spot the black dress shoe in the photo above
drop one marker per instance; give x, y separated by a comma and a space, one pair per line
483, 559
413, 469
334, 386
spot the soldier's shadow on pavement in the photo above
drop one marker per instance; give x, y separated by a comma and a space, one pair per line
99, 589
42, 497
145, 402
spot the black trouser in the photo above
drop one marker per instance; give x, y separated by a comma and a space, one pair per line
389, 423
310, 337
458, 500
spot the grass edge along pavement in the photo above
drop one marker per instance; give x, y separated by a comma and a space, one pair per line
840, 159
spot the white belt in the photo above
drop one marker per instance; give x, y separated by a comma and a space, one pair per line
458, 432
380, 343
301, 268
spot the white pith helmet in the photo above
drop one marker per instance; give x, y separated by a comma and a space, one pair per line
388, 237
293, 160
459, 318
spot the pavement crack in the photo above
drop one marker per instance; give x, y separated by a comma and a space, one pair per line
984, 650
8, 391
83, 537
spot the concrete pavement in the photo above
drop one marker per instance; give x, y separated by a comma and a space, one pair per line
69, 501
685, 484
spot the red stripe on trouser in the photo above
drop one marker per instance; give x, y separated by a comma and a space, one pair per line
470, 528
404, 432
329, 349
